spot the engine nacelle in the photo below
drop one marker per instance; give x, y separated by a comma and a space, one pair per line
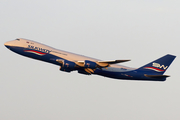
64, 69
67, 66
90, 64
83, 72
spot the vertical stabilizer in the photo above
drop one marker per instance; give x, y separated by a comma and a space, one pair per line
160, 65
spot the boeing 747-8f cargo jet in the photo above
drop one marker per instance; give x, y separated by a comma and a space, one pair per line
85, 65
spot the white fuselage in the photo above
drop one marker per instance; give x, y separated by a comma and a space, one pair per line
86, 65
24, 43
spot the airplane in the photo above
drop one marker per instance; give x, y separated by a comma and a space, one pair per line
69, 62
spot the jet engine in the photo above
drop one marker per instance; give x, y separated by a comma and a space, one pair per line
90, 64
83, 72
67, 66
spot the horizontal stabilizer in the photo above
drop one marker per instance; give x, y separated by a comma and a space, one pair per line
157, 76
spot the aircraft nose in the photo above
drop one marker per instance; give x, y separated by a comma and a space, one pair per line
9, 43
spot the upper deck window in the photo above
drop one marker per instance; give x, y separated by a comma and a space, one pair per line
18, 39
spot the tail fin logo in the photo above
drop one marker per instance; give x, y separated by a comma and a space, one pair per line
156, 67
159, 66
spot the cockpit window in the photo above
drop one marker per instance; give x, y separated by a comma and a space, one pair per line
18, 39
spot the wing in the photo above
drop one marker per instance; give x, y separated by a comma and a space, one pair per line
87, 65
90, 66
102, 63
113, 61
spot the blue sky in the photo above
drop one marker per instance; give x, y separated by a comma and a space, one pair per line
140, 30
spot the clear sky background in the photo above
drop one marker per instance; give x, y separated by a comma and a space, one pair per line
140, 30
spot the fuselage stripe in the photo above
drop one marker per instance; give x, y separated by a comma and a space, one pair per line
35, 52
155, 69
